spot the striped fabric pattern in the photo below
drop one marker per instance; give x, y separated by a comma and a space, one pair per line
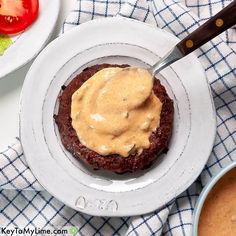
24, 203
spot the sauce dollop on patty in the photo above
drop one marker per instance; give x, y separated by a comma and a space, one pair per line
115, 111
158, 139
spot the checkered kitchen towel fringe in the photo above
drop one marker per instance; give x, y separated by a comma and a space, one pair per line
21, 207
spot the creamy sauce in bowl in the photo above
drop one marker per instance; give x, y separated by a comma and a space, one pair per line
115, 111
218, 215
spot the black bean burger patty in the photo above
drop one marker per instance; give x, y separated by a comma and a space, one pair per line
116, 163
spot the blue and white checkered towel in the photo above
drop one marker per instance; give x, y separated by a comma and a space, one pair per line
23, 203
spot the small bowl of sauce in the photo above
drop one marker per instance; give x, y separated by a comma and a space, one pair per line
215, 211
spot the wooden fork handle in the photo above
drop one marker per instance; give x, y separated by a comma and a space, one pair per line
222, 21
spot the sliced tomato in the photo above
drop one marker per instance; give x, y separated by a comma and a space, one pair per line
17, 15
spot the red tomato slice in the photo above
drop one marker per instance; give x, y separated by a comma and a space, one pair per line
17, 15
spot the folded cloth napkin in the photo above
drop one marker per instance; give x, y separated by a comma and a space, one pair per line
23, 202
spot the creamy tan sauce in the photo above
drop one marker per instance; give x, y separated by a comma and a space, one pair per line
115, 111
218, 216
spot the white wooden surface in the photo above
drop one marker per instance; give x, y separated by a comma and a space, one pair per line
10, 88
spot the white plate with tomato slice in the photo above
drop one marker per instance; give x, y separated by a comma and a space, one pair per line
25, 27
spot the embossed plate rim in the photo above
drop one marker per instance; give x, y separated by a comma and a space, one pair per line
44, 167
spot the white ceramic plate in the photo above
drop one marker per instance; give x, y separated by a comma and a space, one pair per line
29, 43
115, 40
